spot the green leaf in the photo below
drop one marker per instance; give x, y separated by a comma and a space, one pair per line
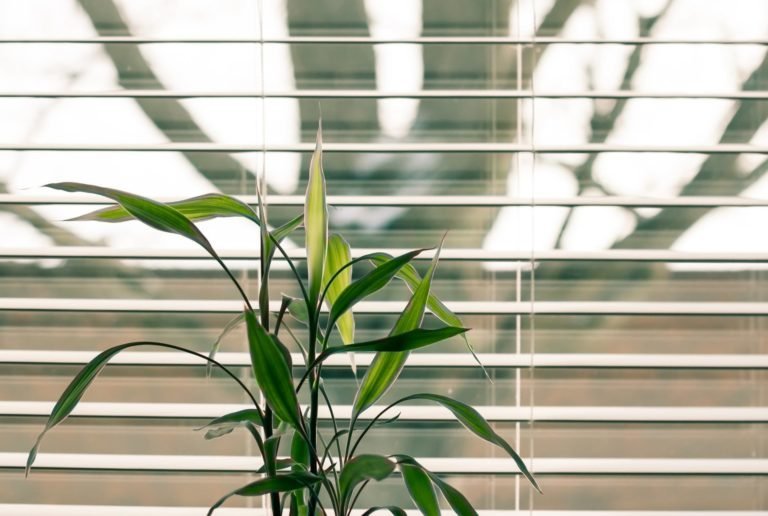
456, 500
339, 255
362, 468
386, 367
454, 497
72, 395
267, 485
372, 282
80, 383
412, 278
420, 488
280, 464
202, 207
316, 220
227, 423
289, 227
231, 325
407, 341
156, 215
475, 423
297, 309
272, 371
299, 451
271, 446
397, 511
152, 213
301, 457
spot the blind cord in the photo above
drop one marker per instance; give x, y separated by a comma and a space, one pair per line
533, 268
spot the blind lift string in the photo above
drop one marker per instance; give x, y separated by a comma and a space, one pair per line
533, 241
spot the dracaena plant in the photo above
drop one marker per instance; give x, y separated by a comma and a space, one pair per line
323, 472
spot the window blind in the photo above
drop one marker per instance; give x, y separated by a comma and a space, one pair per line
599, 167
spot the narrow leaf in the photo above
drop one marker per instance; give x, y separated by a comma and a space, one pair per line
80, 383
299, 452
289, 227
156, 215
475, 423
420, 488
228, 422
267, 485
372, 282
316, 220
202, 207
280, 464
407, 341
362, 468
272, 371
231, 325
386, 367
301, 457
412, 278
297, 308
339, 255
454, 497
397, 511
456, 500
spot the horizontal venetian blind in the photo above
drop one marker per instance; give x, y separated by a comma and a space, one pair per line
599, 167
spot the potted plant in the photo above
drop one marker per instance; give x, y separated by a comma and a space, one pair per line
323, 472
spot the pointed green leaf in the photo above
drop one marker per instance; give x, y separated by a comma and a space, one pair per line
362, 468
156, 215
407, 341
300, 456
297, 308
420, 488
454, 497
412, 278
299, 451
289, 227
339, 255
386, 367
267, 485
231, 325
475, 423
456, 500
80, 383
72, 395
316, 220
272, 371
372, 282
280, 464
228, 422
397, 511
271, 446
202, 207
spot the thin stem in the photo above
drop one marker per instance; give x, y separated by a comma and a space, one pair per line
304, 293
298, 343
354, 498
368, 427
336, 275
211, 360
313, 396
328, 485
333, 421
234, 280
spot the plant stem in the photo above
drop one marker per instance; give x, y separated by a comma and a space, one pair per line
314, 383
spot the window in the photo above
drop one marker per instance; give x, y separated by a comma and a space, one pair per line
600, 167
